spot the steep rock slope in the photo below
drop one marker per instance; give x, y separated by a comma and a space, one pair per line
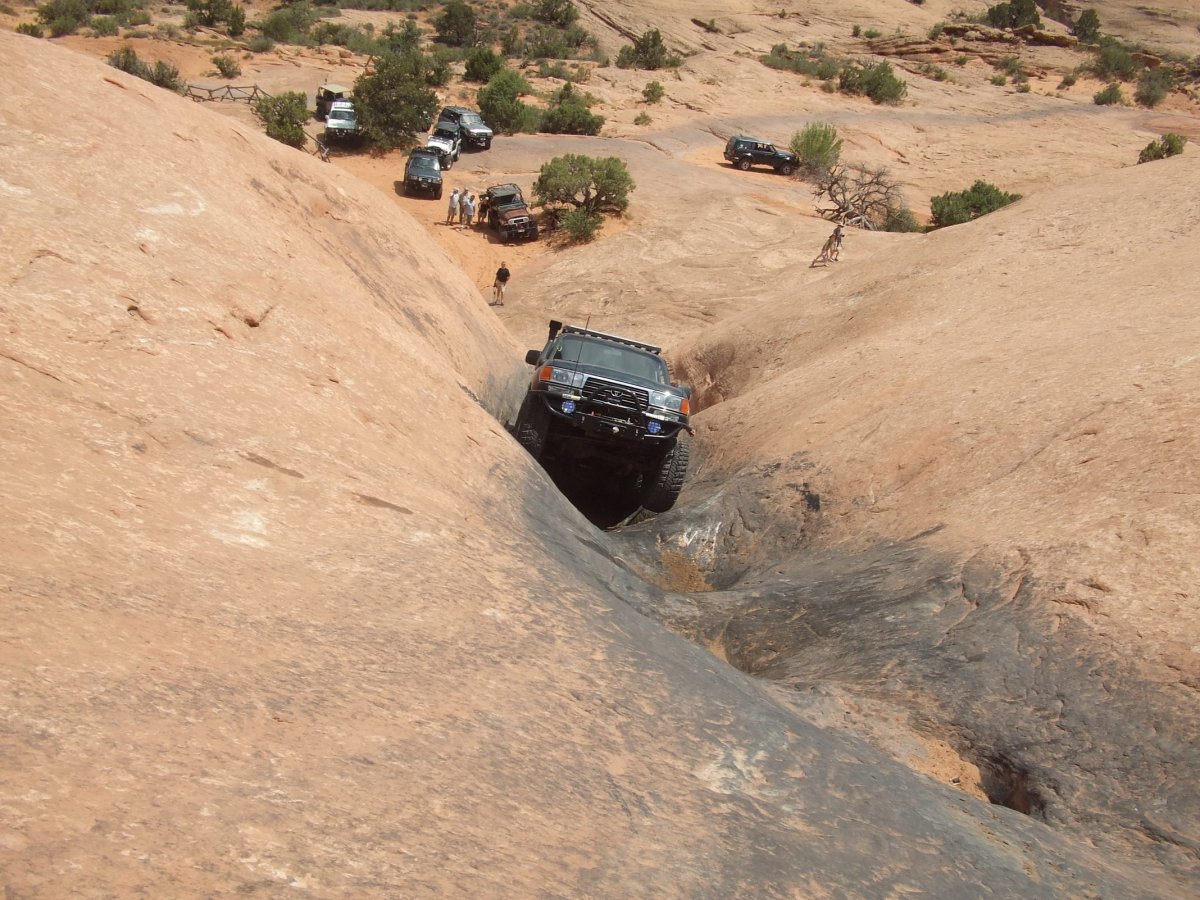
972, 459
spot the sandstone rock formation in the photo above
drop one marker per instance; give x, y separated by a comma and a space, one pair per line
284, 608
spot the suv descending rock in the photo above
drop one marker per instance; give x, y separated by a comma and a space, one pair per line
607, 402
508, 214
745, 152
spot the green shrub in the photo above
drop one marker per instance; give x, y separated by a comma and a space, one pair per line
1114, 62
812, 61
284, 116
499, 102
1169, 144
653, 92
876, 81
584, 182
166, 75
559, 13
1110, 96
30, 28
647, 52
856, 31
64, 16
235, 24
871, 33
105, 26
208, 13
482, 63
1153, 86
1023, 88
289, 24
1087, 27
999, 80
642, 118
136, 18
580, 225
957, 207
456, 24
260, 43
571, 118
1068, 81
936, 31
818, 148
1015, 14
395, 104
1009, 65
901, 219
227, 66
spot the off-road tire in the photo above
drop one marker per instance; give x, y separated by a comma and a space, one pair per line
487, 145
668, 480
437, 194
533, 420
743, 164
787, 169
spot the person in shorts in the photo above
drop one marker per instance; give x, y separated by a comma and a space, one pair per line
502, 276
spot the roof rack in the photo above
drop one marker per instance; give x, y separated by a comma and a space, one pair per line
575, 329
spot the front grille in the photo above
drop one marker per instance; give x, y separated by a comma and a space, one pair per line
610, 393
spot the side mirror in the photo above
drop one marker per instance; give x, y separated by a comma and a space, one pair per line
531, 357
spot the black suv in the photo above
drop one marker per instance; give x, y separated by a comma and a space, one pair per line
607, 402
475, 131
745, 152
423, 173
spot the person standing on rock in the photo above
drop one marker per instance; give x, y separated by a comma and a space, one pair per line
502, 276
452, 212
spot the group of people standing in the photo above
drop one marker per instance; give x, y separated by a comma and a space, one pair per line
463, 207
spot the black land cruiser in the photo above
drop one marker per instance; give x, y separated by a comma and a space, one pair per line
475, 131
423, 173
607, 402
745, 152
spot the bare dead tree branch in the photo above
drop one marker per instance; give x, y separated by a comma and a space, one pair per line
861, 196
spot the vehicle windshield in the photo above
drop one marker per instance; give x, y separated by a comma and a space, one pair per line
344, 115
605, 355
424, 162
445, 134
470, 119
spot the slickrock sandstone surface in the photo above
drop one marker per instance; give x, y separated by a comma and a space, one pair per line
283, 609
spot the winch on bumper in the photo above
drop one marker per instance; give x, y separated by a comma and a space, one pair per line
607, 403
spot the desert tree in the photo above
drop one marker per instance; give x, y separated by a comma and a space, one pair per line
860, 195
395, 103
596, 185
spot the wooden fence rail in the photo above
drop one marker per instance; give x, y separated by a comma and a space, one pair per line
200, 93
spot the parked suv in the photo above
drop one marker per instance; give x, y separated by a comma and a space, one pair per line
606, 403
423, 173
475, 131
447, 140
508, 214
341, 122
745, 152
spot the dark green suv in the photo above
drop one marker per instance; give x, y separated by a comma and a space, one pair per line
745, 152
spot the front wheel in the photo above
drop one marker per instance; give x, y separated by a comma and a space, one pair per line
437, 194
533, 421
744, 165
668, 480
787, 169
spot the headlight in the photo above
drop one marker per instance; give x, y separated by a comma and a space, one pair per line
670, 402
565, 378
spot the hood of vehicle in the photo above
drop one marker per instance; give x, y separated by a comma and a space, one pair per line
441, 143
620, 377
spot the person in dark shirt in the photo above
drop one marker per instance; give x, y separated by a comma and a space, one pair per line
502, 276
